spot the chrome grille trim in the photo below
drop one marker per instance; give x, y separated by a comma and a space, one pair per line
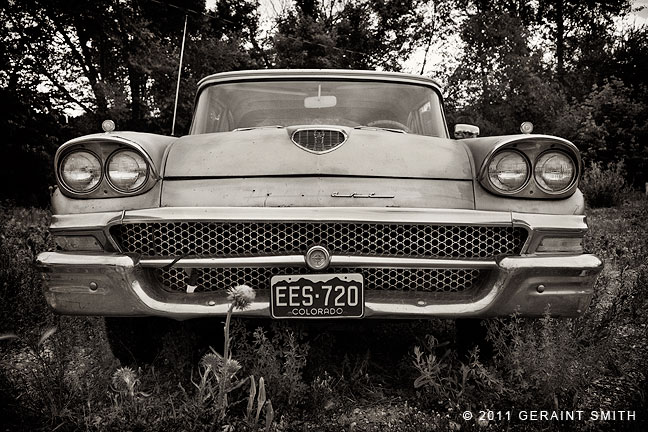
336, 261
392, 279
318, 140
239, 239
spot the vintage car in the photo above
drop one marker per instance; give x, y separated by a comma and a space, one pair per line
332, 193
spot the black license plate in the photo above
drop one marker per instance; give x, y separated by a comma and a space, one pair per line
317, 296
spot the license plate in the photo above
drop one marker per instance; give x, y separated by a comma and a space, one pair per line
317, 296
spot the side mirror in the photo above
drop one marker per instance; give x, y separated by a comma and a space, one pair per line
465, 131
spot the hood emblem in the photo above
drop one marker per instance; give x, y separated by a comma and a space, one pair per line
318, 140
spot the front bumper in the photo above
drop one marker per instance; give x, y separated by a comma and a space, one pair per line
118, 284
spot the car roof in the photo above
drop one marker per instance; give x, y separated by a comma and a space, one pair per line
318, 73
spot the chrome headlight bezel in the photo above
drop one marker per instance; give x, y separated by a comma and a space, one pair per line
532, 147
103, 148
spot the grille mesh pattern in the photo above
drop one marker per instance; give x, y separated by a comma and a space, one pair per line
318, 140
172, 239
431, 280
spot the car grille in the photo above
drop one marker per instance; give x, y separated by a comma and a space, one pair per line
227, 239
426, 280
318, 140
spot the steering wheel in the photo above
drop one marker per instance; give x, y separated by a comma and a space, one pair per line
390, 124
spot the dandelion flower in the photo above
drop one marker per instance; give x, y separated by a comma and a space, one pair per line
241, 296
124, 381
212, 361
231, 367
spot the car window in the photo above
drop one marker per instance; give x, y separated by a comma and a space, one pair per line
228, 106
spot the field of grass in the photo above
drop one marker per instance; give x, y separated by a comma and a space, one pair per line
58, 373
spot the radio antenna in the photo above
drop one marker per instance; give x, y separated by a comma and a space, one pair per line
175, 105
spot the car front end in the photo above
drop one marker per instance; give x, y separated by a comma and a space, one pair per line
329, 216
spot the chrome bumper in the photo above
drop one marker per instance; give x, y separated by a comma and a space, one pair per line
117, 284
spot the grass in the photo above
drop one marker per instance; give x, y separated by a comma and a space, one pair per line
58, 372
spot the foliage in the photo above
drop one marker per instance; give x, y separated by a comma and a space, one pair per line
596, 360
604, 187
23, 234
614, 128
360, 34
451, 380
49, 375
279, 358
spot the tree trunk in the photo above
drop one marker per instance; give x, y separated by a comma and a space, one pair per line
560, 39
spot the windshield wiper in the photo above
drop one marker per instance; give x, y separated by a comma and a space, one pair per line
258, 127
380, 128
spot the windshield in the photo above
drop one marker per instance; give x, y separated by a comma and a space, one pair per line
398, 107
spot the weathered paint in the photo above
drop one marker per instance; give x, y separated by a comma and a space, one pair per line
270, 152
317, 192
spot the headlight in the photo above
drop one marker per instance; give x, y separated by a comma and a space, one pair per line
508, 171
80, 171
127, 171
554, 171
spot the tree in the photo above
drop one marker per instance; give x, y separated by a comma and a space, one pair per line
572, 24
118, 59
362, 34
106, 59
501, 81
613, 127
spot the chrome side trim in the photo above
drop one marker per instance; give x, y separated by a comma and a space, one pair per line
83, 221
264, 261
336, 261
46, 259
547, 222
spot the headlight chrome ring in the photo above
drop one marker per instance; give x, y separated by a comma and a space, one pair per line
509, 171
127, 171
80, 171
554, 171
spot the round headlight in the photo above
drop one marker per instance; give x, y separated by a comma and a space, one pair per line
80, 171
127, 171
554, 171
508, 171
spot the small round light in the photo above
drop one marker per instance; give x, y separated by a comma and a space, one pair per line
127, 171
508, 171
526, 127
108, 125
80, 171
554, 171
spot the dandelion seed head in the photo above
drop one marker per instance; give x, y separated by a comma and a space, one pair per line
241, 296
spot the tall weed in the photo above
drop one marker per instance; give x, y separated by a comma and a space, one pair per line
604, 187
279, 356
23, 234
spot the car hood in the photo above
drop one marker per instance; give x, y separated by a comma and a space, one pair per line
271, 152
